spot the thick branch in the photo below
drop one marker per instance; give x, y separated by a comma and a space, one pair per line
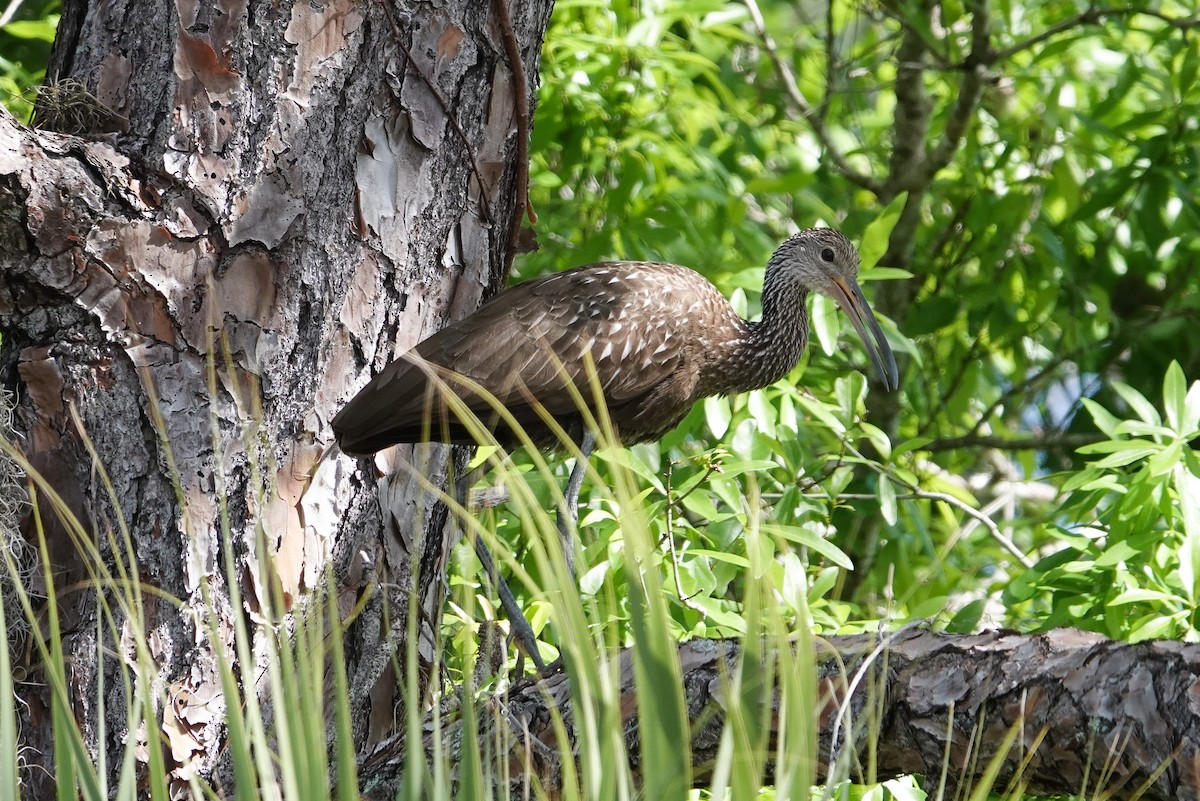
913, 107
1089, 715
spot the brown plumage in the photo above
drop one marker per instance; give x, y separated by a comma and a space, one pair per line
660, 337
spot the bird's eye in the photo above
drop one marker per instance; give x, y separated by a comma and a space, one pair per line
827, 254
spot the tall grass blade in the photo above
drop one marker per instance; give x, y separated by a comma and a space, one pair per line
10, 780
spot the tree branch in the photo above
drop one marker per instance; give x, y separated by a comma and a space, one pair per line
969, 92
938, 704
1051, 440
1090, 16
801, 106
911, 124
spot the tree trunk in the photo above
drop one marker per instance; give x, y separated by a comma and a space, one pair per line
1086, 715
286, 196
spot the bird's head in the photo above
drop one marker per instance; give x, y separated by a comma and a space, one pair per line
822, 260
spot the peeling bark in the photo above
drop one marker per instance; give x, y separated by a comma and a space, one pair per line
1091, 716
286, 207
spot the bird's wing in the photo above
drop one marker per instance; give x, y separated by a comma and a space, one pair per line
525, 344
622, 320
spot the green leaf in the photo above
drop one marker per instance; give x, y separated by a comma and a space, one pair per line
966, 620
717, 415
762, 412
700, 503
1139, 429
1152, 627
41, 29
1122, 458
825, 324
878, 439
1174, 396
1116, 554
822, 412
884, 274
482, 454
932, 314
1191, 411
1137, 401
1162, 462
910, 445
1187, 489
1105, 420
877, 233
1139, 595
887, 500
929, 607
810, 539
721, 556
1081, 478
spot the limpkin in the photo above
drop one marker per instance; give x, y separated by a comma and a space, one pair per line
653, 337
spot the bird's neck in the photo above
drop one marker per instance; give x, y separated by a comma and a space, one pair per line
768, 349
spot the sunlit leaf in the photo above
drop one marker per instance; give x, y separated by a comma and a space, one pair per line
887, 501
1137, 401
1174, 396
875, 236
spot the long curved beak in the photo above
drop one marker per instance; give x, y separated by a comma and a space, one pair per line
850, 297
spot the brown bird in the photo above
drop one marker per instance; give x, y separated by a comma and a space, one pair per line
654, 338
657, 336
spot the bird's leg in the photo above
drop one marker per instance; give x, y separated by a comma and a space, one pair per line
522, 632
568, 513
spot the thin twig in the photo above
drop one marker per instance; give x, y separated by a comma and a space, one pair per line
915, 492
801, 105
713, 467
398, 36
10, 12
1091, 16
684, 598
969, 92
1051, 440
1026, 385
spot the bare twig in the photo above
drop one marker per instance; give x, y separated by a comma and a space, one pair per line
1051, 440
713, 466
802, 107
398, 37
10, 12
969, 92
915, 492
685, 599
1092, 16
1089, 17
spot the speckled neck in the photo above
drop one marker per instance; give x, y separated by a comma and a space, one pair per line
778, 340
768, 349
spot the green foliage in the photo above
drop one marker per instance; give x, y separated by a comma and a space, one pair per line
24, 51
1129, 567
1052, 261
